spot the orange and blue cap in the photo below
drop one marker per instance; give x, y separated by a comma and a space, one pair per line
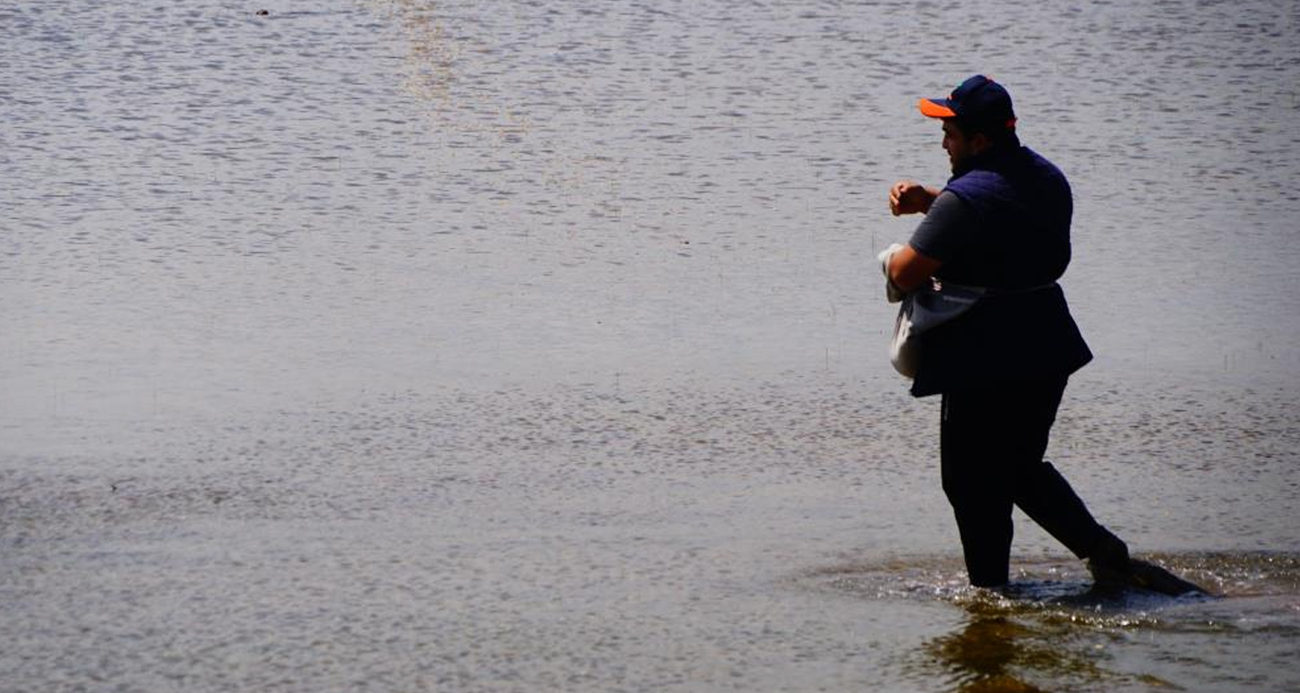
979, 100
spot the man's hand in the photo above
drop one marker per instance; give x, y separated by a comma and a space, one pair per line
910, 197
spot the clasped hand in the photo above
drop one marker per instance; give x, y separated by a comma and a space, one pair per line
910, 197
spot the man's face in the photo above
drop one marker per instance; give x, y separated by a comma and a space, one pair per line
958, 146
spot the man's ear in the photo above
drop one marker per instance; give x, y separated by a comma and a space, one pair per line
980, 142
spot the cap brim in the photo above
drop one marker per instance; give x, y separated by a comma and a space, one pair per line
936, 108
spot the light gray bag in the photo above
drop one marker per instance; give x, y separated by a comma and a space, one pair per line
921, 311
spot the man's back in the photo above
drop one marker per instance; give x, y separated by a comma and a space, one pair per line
1020, 208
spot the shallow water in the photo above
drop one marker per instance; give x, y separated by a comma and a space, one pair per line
406, 346
749, 538
1052, 630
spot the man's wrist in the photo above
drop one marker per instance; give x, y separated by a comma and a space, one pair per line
931, 194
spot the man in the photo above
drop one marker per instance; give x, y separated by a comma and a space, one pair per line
1002, 222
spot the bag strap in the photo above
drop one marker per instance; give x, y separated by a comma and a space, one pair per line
986, 292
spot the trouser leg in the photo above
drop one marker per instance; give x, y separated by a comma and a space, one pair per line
991, 445
1046, 497
1039, 489
977, 489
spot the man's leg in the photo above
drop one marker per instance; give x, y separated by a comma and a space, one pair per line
977, 486
1038, 489
992, 446
1047, 498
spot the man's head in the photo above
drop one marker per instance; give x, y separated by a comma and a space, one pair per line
976, 117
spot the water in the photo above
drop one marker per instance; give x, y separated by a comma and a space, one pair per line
405, 346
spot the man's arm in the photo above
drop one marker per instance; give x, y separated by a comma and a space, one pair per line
909, 270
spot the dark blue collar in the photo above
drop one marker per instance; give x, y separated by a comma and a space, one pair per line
996, 159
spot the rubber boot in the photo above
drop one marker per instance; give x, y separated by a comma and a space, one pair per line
1109, 562
1113, 568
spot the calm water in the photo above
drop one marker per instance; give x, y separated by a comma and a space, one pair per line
400, 345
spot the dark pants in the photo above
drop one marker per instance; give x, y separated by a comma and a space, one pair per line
991, 447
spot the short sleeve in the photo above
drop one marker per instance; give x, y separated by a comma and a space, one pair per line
947, 229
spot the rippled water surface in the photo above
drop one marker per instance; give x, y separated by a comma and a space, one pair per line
407, 345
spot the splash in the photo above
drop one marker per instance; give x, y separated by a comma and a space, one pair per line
1063, 590
1050, 629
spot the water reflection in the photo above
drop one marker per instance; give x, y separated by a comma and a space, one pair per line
994, 652
1051, 629
432, 53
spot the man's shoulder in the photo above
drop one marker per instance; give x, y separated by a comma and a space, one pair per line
1043, 166
979, 183
1024, 179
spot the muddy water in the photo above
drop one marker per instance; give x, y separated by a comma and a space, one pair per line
433, 346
